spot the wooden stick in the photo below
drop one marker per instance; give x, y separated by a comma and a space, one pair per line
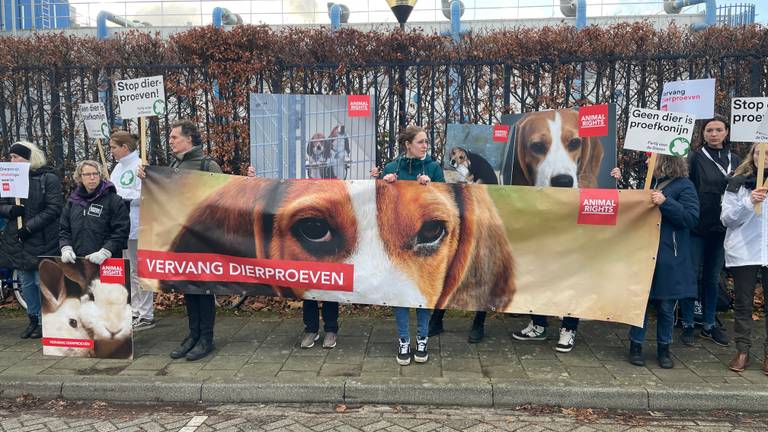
19, 224
100, 143
143, 135
760, 168
651, 169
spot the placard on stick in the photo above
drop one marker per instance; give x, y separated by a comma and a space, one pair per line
747, 114
95, 119
14, 183
139, 98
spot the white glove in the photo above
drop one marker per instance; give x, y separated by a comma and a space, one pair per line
99, 256
68, 255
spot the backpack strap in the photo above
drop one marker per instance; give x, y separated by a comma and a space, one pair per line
205, 163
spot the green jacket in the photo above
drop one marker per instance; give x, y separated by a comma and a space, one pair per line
410, 168
195, 160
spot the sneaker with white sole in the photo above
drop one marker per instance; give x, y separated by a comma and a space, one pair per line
329, 341
404, 352
421, 355
532, 332
566, 341
309, 339
143, 324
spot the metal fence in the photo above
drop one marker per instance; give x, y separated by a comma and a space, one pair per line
40, 103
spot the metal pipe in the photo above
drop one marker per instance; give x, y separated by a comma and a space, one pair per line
335, 12
104, 16
575, 8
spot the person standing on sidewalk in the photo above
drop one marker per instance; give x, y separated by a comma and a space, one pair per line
186, 145
745, 252
709, 167
123, 146
39, 233
416, 165
673, 278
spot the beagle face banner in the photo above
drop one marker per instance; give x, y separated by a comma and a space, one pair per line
561, 148
461, 246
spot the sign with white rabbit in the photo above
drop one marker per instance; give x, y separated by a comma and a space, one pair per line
86, 308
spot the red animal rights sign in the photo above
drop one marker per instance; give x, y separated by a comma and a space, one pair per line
224, 268
598, 207
6, 187
68, 343
359, 105
112, 270
500, 133
593, 121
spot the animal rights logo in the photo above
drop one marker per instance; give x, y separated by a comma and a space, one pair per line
158, 107
679, 146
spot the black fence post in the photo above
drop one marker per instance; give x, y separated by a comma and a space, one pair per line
56, 138
755, 76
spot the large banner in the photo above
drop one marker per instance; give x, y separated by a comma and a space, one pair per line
553, 251
561, 148
86, 308
312, 136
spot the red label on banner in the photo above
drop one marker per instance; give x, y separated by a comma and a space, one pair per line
359, 105
6, 187
225, 268
598, 206
500, 133
68, 343
112, 270
593, 121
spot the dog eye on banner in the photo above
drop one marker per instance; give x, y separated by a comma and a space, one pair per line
462, 246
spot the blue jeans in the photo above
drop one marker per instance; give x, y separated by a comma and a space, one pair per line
402, 317
665, 315
707, 254
30, 288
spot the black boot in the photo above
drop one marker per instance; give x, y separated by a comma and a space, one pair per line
33, 325
436, 322
186, 346
203, 348
477, 332
662, 352
636, 354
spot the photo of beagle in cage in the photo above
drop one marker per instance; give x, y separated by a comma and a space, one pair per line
546, 150
318, 155
438, 246
472, 167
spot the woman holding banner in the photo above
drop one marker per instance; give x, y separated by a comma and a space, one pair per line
745, 251
38, 233
709, 167
673, 277
416, 165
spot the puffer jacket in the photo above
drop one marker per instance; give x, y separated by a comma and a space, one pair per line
41, 214
746, 235
411, 168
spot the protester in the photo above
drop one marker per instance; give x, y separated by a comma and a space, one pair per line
745, 252
673, 276
39, 233
94, 223
123, 146
311, 315
709, 167
186, 145
416, 165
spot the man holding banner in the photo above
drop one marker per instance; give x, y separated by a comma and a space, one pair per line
186, 145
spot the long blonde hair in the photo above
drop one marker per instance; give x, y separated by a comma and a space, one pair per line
748, 166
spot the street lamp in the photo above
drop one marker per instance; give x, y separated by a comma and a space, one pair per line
402, 10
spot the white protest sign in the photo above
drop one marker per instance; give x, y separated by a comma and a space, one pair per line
762, 129
14, 179
95, 118
746, 115
696, 97
141, 97
655, 131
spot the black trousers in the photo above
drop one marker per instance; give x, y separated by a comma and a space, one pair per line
744, 279
201, 312
312, 316
569, 323
479, 321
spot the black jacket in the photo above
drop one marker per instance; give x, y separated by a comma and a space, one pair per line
93, 221
41, 214
710, 185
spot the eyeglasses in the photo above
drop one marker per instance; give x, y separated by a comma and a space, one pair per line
93, 174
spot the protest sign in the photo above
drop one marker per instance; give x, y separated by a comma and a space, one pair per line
593, 121
95, 118
141, 97
695, 97
14, 179
655, 131
747, 113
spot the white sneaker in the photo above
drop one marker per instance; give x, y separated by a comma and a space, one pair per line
566, 341
421, 355
532, 332
403, 352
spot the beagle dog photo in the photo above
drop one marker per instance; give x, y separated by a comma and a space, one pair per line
472, 167
546, 150
318, 155
438, 246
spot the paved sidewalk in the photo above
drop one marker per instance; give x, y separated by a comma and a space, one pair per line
259, 360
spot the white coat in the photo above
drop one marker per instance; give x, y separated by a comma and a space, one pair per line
746, 235
128, 186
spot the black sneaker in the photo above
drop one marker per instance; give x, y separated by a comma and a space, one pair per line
687, 336
404, 352
421, 355
716, 335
